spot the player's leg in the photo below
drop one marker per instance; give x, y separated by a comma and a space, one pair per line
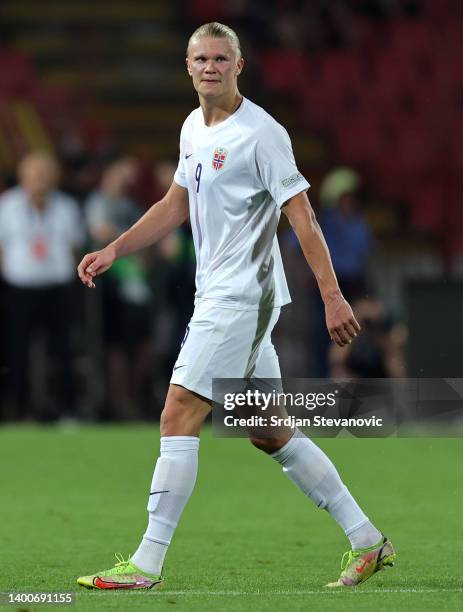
315, 475
219, 343
184, 412
187, 405
174, 474
214, 345
172, 484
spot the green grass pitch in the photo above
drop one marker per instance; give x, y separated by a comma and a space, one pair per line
248, 539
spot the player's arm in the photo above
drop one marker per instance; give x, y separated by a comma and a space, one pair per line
161, 219
340, 320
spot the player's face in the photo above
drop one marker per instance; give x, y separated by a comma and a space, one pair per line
213, 66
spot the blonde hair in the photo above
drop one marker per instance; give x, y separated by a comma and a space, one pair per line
217, 30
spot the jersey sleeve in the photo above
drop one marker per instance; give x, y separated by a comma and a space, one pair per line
180, 174
276, 166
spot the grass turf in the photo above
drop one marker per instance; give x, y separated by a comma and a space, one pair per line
248, 538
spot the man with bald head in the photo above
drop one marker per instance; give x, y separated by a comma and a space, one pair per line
40, 230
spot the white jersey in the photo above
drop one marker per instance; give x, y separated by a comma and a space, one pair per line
238, 174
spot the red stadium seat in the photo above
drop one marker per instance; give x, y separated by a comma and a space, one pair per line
427, 207
359, 139
341, 70
285, 70
17, 73
203, 11
317, 107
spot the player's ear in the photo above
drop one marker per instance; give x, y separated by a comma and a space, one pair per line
187, 61
239, 66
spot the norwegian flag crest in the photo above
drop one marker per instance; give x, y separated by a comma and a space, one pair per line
219, 157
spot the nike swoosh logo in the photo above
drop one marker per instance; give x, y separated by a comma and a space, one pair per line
182, 366
360, 569
187, 156
156, 492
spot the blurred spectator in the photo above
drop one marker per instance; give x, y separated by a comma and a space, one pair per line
40, 229
346, 232
290, 31
4, 342
176, 272
109, 210
163, 175
126, 295
350, 242
378, 352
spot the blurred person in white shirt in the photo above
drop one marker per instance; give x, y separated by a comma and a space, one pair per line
41, 231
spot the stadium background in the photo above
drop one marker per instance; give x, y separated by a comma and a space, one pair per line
371, 95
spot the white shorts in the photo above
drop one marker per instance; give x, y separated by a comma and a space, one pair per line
226, 343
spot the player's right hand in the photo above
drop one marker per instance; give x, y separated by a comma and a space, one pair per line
94, 264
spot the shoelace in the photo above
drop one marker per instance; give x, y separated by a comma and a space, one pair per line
121, 562
348, 557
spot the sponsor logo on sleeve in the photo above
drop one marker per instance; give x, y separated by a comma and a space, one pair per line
294, 179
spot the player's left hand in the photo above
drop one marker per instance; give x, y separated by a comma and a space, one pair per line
342, 325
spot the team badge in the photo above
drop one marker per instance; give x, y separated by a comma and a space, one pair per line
218, 160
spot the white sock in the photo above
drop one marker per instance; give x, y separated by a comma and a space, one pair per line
315, 475
173, 482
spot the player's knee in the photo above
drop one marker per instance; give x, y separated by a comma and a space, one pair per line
182, 414
268, 445
173, 416
174, 424
178, 397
